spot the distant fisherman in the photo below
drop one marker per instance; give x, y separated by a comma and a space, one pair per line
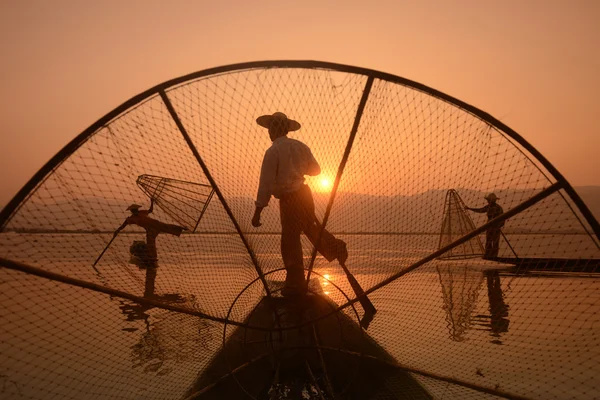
492, 235
153, 228
282, 176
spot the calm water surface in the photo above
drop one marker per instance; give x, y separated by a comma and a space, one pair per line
534, 336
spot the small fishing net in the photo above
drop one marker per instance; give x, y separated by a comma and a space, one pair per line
201, 315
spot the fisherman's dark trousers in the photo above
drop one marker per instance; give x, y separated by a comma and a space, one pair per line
492, 242
297, 212
151, 245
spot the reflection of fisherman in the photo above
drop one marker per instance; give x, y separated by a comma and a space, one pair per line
498, 308
492, 235
146, 253
282, 175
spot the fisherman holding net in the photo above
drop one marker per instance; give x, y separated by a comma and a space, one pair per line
492, 235
284, 166
145, 253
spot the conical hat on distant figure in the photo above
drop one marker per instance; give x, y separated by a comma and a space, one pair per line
491, 197
134, 207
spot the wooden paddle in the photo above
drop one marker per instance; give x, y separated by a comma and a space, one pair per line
365, 302
329, 247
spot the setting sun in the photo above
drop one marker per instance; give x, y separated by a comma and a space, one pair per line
325, 184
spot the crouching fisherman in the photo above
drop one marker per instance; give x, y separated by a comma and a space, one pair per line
143, 254
153, 228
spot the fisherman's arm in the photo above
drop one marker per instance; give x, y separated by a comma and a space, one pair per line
268, 175
119, 229
151, 206
483, 209
313, 167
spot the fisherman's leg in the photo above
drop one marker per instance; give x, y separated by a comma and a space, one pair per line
311, 225
151, 247
495, 245
291, 252
329, 246
172, 229
488, 244
291, 246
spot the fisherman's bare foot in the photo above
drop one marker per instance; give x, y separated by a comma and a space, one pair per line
295, 284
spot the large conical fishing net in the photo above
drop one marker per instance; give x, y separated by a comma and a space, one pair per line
184, 202
455, 225
210, 321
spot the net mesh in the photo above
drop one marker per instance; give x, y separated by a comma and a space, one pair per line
519, 324
184, 202
456, 224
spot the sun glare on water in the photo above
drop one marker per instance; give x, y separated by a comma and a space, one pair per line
326, 278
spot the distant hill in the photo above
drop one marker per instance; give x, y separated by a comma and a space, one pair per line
591, 197
352, 212
424, 212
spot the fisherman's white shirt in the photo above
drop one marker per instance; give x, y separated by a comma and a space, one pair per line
283, 169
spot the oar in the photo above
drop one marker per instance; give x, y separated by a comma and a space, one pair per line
365, 302
104, 251
508, 243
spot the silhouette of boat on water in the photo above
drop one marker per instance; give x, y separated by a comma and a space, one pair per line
316, 354
556, 265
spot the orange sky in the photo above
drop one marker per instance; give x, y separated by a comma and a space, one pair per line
532, 64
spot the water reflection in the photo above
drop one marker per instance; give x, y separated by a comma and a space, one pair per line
167, 338
325, 283
498, 321
460, 289
149, 283
134, 312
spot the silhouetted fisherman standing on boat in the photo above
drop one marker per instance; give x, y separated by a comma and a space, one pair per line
282, 175
492, 235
